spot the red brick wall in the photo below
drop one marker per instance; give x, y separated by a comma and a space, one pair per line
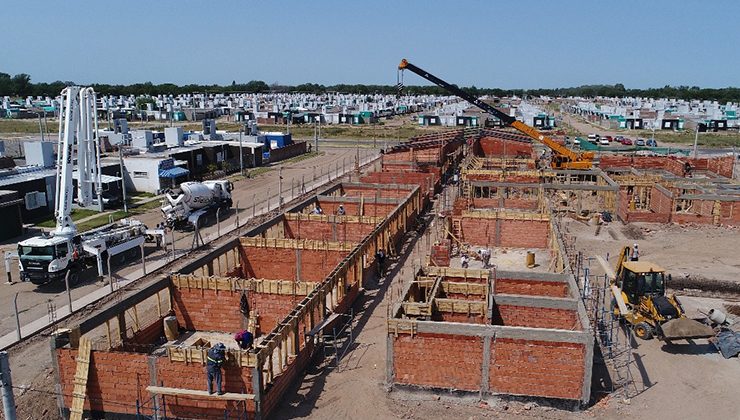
426, 181
648, 216
514, 233
506, 203
206, 310
326, 231
660, 202
193, 376
721, 165
525, 316
538, 368
283, 381
353, 209
437, 360
531, 287
115, 379
494, 147
280, 263
150, 334
367, 192
508, 177
458, 317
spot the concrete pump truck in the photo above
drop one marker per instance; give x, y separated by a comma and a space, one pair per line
49, 257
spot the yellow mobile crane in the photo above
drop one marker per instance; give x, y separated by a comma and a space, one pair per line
563, 157
641, 300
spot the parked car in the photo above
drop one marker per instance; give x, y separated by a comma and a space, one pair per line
619, 139
577, 140
639, 142
567, 140
627, 141
609, 138
593, 138
603, 141
651, 143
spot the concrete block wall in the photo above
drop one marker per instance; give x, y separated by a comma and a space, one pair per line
369, 191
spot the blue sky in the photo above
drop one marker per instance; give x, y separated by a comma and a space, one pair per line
507, 44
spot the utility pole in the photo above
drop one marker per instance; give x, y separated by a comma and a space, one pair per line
241, 152
7, 387
696, 139
280, 188
123, 178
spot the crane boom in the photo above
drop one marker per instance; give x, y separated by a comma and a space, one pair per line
70, 112
564, 157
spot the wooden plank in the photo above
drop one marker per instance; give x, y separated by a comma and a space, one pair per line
196, 393
617, 292
80, 380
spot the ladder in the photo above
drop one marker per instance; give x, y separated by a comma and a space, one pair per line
80, 379
457, 229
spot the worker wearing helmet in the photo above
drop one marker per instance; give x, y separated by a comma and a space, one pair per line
635, 253
216, 358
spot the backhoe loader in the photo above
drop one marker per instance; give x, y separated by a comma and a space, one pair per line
640, 299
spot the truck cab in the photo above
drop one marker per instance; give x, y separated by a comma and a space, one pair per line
44, 259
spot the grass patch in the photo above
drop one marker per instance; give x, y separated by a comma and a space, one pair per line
101, 220
726, 139
142, 208
141, 195
76, 214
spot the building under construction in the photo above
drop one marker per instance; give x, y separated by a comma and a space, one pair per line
516, 327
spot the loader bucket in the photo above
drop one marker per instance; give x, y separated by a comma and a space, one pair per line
685, 328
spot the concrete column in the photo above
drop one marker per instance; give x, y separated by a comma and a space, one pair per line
485, 366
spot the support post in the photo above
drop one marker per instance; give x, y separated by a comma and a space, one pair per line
110, 275
8, 257
7, 387
69, 293
17, 316
143, 259
172, 232
254, 204
218, 222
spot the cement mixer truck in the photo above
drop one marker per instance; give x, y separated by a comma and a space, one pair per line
194, 200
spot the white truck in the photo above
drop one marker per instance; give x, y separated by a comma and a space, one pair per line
196, 199
49, 257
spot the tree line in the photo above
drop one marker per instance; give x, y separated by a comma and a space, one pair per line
20, 85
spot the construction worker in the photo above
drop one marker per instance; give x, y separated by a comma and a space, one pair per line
464, 261
244, 339
485, 256
216, 357
340, 210
635, 253
317, 209
380, 258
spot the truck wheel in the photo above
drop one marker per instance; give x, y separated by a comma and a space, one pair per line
643, 330
74, 277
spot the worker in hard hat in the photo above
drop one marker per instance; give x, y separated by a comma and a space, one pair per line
635, 253
341, 211
215, 358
